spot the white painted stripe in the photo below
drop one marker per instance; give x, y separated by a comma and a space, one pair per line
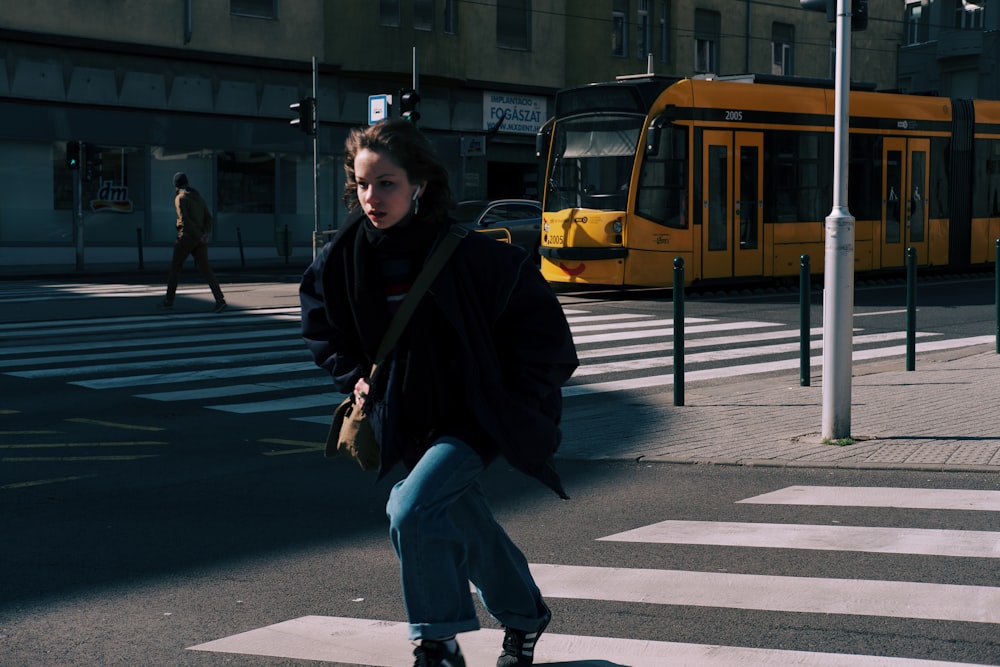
640, 324
669, 331
146, 353
236, 390
359, 641
811, 595
879, 496
579, 319
962, 543
193, 376
290, 332
646, 348
647, 363
178, 362
571, 390
881, 312
330, 400
170, 320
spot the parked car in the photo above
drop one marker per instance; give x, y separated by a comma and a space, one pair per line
521, 219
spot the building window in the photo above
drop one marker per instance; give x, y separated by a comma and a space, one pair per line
513, 24
388, 13
642, 30
664, 32
782, 39
450, 17
706, 41
916, 23
619, 28
423, 14
258, 9
969, 15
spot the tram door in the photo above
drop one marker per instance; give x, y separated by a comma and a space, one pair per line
733, 195
904, 199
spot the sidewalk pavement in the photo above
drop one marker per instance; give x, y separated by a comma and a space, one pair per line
945, 415
942, 416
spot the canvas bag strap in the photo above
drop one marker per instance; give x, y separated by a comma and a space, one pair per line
423, 282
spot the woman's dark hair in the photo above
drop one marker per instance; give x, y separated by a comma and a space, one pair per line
405, 145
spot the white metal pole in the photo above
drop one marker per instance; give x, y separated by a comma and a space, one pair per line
838, 302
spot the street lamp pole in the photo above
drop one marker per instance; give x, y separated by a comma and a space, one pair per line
838, 302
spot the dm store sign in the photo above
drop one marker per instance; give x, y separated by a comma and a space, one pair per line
517, 114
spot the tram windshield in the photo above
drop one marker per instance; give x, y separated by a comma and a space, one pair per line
592, 158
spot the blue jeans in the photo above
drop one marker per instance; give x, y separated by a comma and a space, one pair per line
445, 536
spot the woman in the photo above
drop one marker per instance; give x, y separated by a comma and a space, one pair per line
476, 375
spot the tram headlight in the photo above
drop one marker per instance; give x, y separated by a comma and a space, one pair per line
616, 226
545, 227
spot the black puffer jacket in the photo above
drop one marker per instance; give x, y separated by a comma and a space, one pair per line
484, 356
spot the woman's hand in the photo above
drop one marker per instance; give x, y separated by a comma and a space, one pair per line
361, 389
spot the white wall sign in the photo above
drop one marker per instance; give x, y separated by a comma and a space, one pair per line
522, 114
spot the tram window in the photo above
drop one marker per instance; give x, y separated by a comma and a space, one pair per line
592, 161
663, 180
864, 180
893, 186
986, 179
938, 204
795, 185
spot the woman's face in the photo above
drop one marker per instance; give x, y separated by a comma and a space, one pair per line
384, 190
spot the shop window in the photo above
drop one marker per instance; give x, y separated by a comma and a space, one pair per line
619, 28
258, 9
423, 14
707, 26
642, 30
782, 39
388, 13
246, 197
513, 24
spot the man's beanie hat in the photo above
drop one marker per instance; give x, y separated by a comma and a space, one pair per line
180, 179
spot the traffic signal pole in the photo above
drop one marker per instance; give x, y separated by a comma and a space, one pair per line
838, 301
315, 82
78, 205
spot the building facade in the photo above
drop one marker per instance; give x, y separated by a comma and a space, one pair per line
204, 87
951, 48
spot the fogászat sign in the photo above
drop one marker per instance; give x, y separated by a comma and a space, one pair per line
522, 114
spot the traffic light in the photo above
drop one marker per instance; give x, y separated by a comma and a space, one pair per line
306, 108
93, 161
408, 102
72, 154
859, 11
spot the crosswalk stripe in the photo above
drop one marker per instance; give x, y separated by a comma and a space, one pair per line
193, 376
182, 361
928, 542
237, 389
314, 400
616, 334
647, 363
375, 643
147, 353
289, 332
893, 599
573, 389
904, 498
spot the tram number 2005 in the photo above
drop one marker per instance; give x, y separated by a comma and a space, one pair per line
734, 115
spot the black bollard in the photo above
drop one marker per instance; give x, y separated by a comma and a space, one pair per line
138, 241
288, 245
678, 331
911, 308
239, 239
996, 295
805, 337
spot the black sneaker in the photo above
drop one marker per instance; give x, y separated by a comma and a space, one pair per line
519, 646
435, 654
219, 306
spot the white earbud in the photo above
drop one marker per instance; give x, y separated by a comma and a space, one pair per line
415, 195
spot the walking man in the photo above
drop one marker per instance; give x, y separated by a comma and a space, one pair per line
194, 227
